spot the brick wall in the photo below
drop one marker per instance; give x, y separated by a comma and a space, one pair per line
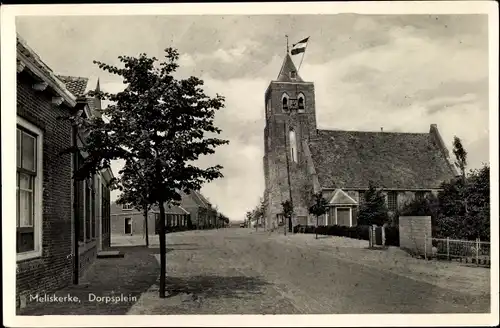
412, 231
277, 148
54, 268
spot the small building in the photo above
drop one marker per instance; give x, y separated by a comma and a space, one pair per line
127, 220
46, 233
203, 215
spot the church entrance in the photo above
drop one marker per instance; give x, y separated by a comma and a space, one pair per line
344, 216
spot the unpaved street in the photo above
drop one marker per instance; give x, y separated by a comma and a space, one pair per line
240, 271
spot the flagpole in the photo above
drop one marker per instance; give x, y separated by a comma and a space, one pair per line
302, 57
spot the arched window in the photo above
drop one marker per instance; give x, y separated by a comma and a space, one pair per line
293, 146
284, 100
302, 103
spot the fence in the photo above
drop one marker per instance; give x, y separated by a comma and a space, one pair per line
468, 251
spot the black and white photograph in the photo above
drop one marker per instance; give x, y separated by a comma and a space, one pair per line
274, 160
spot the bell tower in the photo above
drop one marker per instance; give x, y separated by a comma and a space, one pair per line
290, 121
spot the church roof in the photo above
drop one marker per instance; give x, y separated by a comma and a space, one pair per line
350, 159
341, 198
287, 67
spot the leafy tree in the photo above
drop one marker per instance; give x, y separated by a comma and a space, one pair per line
134, 191
162, 122
427, 206
287, 211
318, 208
460, 155
249, 216
373, 210
454, 220
461, 163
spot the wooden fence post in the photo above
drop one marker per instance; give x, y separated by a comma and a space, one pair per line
448, 248
425, 246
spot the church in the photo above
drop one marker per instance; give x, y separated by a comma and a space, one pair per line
300, 159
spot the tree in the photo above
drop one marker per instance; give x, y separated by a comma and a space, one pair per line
162, 122
373, 210
460, 156
287, 211
249, 216
454, 220
319, 207
461, 162
258, 213
134, 191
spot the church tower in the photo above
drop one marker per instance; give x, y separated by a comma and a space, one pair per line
290, 121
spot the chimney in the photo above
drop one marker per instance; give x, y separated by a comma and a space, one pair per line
382, 129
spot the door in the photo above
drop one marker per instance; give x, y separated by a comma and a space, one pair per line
344, 217
128, 226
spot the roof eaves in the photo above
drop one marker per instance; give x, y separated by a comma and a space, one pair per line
42, 71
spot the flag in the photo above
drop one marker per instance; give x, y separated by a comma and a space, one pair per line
299, 47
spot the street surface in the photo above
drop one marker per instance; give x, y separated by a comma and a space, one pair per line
241, 271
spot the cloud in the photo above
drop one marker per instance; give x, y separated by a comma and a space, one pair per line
400, 72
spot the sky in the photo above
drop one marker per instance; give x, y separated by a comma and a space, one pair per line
399, 72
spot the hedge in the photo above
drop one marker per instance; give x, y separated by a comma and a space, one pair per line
358, 232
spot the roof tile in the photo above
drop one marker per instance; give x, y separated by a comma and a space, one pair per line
350, 159
75, 84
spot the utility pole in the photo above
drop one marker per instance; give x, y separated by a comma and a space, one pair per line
288, 177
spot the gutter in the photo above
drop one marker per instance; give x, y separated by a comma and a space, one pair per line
76, 221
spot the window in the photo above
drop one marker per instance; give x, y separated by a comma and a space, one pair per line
127, 207
361, 197
284, 101
293, 146
28, 190
280, 218
128, 226
93, 208
293, 75
419, 195
392, 200
302, 104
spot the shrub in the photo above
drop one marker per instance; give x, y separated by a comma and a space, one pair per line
358, 232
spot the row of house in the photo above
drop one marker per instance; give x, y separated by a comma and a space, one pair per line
194, 212
61, 223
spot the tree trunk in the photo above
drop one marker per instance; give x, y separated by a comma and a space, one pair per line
146, 226
163, 251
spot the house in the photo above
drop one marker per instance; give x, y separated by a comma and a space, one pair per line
126, 220
203, 215
93, 194
301, 159
46, 238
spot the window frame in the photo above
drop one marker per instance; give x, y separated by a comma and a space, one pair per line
303, 98
293, 146
419, 195
395, 194
343, 208
37, 188
129, 207
283, 102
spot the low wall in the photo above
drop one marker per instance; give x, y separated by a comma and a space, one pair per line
412, 233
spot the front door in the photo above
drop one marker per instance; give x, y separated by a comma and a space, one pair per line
128, 226
344, 217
